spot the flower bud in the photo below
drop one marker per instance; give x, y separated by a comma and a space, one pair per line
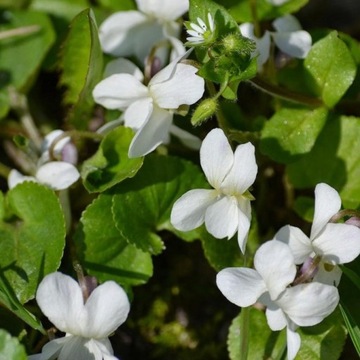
236, 43
204, 111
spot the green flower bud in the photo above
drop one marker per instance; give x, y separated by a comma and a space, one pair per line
204, 111
236, 43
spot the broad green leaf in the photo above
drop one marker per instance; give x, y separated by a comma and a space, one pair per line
82, 66
110, 164
32, 239
331, 67
104, 252
32, 47
262, 342
142, 205
292, 132
323, 341
241, 9
334, 159
10, 347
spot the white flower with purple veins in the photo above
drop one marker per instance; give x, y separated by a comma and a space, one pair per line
329, 244
200, 33
57, 175
135, 32
86, 322
290, 307
225, 209
288, 37
149, 110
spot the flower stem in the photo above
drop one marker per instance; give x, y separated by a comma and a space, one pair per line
4, 171
244, 332
24, 30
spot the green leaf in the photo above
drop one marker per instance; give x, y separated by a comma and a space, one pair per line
304, 207
4, 104
352, 327
33, 47
331, 67
110, 164
10, 347
334, 159
104, 252
122, 5
142, 205
323, 341
262, 342
32, 239
292, 132
82, 66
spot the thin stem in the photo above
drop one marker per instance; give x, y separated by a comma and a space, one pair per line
344, 213
253, 9
24, 30
244, 332
4, 171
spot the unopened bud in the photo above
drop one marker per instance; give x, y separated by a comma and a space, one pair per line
204, 111
236, 43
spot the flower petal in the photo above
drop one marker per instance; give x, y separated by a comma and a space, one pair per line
293, 343
216, 157
298, 242
243, 172
309, 304
287, 23
296, 44
222, 217
188, 212
118, 91
241, 286
123, 66
275, 317
75, 349
327, 204
184, 87
15, 177
50, 351
329, 277
107, 307
152, 133
244, 223
189, 140
165, 10
275, 263
138, 113
58, 175
60, 299
338, 243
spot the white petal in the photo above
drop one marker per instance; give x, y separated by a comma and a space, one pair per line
287, 23
60, 299
50, 350
58, 175
338, 243
189, 140
298, 242
49, 139
329, 277
75, 349
123, 66
277, 2
309, 304
222, 217
275, 317
165, 10
108, 307
244, 223
153, 133
275, 263
327, 204
243, 172
293, 343
138, 113
296, 44
241, 286
188, 211
15, 177
119, 91
216, 157
184, 87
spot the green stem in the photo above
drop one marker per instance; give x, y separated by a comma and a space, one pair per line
244, 332
255, 20
24, 30
285, 94
344, 213
4, 171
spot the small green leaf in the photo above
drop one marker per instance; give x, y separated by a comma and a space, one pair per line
32, 239
104, 252
334, 159
291, 132
32, 47
110, 164
331, 67
142, 205
82, 66
262, 342
352, 327
10, 347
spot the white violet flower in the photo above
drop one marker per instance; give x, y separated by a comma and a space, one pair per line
149, 109
288, 37
226, 209
135, 32
333, 244
290, 307
87, 324
200, 33
57, 175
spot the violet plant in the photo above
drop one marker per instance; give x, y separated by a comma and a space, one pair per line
158, 168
